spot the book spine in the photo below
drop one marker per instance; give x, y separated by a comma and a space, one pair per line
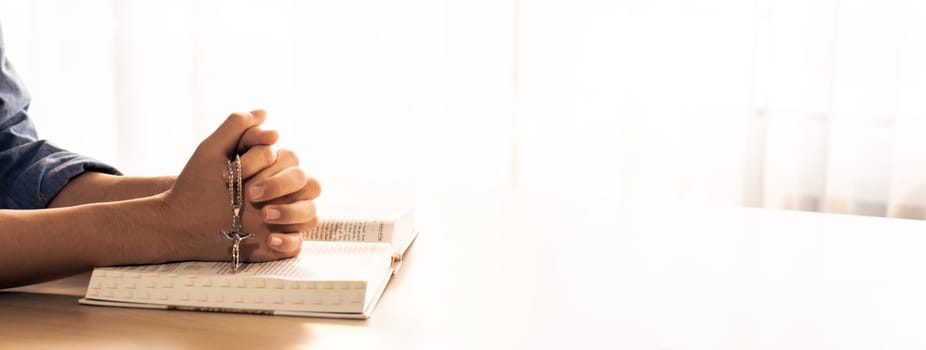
352, 231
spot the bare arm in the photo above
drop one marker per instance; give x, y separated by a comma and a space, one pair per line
38, 245
103, 220
93, 187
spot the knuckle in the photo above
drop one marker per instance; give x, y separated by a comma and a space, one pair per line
202, 147
297, 249
309, 226
288, 155
265, 153
237, 118
310, 210
300, 175
313, 187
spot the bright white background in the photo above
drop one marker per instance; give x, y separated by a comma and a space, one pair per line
801, 104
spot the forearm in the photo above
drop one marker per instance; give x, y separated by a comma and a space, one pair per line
104, 220
37, 245
93, 187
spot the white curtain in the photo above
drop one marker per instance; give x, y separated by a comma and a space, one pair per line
814, 105
798, 104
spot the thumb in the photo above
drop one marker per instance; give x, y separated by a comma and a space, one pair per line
225, 139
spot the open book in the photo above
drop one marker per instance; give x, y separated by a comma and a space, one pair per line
345, 265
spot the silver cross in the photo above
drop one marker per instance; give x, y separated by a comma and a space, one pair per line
236, 196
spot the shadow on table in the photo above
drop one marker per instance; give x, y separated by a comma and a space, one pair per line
52, 320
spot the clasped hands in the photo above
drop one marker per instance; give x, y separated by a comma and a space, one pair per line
278, 195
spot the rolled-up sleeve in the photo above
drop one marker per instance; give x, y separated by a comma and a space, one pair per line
32, 171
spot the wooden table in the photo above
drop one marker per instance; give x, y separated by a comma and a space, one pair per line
535, 271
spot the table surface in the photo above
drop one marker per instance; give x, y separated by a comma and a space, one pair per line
525, 271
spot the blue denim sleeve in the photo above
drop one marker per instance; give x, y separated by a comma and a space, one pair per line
32, 171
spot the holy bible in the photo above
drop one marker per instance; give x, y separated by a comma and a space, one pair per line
343, 269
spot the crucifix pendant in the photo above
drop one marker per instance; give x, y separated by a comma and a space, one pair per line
236, 238
236, 195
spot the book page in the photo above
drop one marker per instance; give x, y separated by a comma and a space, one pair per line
364, 224
357, 231
317, 261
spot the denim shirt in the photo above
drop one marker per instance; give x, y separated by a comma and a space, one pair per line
32, 171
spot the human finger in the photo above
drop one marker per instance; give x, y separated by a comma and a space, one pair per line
256, 159
300, 227
256, 186
257, 136
310, 191
289, 180
225, 139
292, 213
287, 243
